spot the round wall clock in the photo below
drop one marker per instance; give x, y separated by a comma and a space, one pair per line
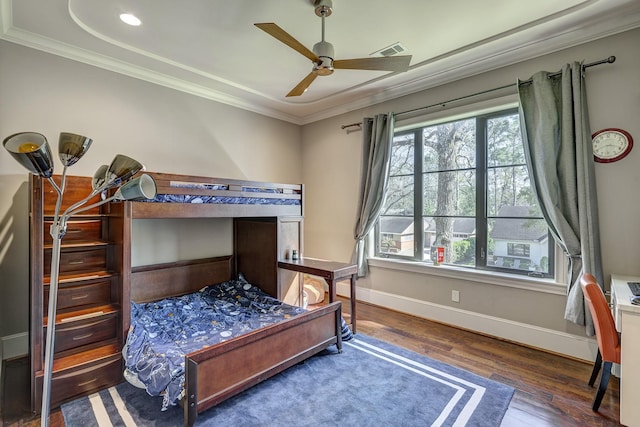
611, 145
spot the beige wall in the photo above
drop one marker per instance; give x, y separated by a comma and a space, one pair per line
174, 132
168, 131
331, 159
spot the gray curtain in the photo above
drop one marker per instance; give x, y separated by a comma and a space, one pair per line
376, 154
559, 155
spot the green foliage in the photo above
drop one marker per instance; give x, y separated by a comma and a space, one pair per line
544, 263
465, 251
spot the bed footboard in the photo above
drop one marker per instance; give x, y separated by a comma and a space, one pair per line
235, 365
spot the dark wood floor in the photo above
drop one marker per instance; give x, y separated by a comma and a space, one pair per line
550, 390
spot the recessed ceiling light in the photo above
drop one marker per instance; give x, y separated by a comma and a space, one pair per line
130, 19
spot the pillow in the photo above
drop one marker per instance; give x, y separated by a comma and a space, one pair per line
313, 289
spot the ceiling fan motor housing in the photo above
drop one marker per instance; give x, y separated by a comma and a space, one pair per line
324, 51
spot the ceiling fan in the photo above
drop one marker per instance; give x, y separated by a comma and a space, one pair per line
322, 55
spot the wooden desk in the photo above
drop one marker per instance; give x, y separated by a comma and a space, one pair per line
330, 271
627, 317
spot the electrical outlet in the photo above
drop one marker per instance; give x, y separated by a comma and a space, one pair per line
455, 296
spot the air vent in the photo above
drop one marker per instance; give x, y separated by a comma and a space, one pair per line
391, 50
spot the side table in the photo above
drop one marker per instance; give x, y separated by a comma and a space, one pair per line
332, 272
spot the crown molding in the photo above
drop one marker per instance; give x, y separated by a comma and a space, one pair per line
484, 56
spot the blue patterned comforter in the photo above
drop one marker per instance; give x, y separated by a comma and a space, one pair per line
226, 200
162, 332
221, 200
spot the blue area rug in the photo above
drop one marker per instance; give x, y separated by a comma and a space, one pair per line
372, 383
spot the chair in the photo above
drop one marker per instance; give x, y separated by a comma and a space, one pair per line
606, 335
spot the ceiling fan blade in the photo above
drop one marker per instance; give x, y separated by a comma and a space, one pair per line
303, 85
386, 63
280, 34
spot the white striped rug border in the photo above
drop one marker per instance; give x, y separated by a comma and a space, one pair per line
434, 374
98, 401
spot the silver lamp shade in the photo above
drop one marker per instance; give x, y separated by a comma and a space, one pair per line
32, 151
121, 169
71, 147
142, 187
99, 177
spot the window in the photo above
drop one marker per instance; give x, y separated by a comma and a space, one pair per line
463, 185
519, 249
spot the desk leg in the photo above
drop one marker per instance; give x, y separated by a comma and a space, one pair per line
353, 302
332, 289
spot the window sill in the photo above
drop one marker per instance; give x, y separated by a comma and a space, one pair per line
549, 286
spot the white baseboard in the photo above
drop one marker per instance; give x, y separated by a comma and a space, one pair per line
547, 339
16, 345
579, 347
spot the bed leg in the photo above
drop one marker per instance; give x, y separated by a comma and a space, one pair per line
339, 329
191, 393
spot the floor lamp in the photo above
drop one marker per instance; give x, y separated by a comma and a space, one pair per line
32, 151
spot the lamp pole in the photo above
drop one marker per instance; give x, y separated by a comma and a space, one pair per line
57, 232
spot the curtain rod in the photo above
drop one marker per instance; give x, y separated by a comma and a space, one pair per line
609, 60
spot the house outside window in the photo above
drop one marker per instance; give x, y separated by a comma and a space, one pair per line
463, 185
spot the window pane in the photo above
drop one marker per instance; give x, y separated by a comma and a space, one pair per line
449, 146
396, 236
504, 141
450, 193
456, 235
399, 199
508, 187
519, 244
402, 155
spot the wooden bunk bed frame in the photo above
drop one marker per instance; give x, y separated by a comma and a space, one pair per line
223, 370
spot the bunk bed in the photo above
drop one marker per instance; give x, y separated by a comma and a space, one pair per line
219, 371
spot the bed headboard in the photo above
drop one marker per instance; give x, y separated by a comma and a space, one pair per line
154, 282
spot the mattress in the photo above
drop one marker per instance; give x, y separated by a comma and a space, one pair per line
223, 200
253, 199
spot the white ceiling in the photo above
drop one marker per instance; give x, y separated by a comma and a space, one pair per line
211, 48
